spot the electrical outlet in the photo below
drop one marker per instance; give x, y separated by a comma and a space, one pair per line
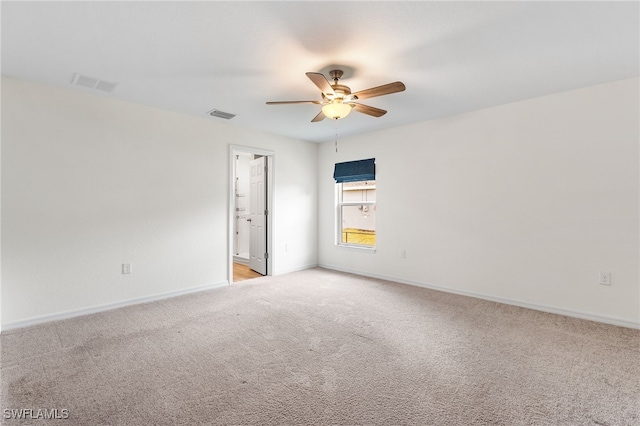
605, 278
126, 268
403, 254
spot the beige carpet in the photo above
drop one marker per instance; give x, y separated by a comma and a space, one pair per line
317, 348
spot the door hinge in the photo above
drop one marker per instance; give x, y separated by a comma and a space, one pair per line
266, 212
266, 255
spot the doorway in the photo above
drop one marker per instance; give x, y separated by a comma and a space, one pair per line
250, 213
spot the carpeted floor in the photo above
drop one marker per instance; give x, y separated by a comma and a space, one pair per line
318, 347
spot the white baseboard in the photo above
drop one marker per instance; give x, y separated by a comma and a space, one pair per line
242, 260
544, 308
108, 306
296, 269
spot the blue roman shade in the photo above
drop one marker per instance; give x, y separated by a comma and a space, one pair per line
354, 171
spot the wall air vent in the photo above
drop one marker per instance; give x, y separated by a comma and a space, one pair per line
221, 114
93, 83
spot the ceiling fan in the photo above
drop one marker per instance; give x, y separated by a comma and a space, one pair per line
337, 99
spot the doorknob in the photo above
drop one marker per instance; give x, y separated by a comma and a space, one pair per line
249, 220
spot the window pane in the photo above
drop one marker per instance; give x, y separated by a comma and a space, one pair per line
359, 191
358, 225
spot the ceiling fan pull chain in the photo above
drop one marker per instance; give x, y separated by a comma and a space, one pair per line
335, 123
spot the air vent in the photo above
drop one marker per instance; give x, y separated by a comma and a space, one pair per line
221, 114
93, 83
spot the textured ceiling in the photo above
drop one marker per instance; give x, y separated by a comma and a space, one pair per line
192, 57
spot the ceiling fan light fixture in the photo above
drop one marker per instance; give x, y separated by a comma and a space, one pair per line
336, 109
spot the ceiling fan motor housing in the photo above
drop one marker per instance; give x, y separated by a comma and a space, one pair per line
341, 90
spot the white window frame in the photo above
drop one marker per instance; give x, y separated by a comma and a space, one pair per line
339, 205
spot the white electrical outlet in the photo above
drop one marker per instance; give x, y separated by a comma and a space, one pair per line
605, 278
403, 254
127, 268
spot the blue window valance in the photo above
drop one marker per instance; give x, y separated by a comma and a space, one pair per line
354, 171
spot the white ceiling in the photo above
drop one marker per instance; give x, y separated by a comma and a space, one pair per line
192, 57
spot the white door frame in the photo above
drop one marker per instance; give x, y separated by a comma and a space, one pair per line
233, 151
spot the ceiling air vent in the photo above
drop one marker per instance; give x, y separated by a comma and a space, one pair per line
221, 114
93, 83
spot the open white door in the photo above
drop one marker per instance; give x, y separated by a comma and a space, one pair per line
258, 212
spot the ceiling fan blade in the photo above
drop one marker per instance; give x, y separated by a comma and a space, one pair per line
385, 89
369, 110
293, 102
321, 81
318, 117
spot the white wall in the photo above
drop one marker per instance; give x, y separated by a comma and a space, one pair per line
89, 183
0, 207
525, 202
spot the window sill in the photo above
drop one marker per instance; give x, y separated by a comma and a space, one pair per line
361, 249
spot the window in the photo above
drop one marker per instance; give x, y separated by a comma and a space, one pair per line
356, 203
